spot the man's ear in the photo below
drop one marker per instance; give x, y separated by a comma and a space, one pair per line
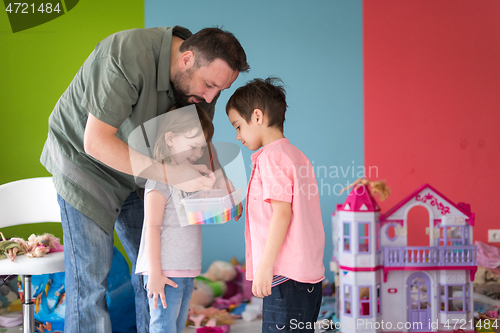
186, 60
168, 138
258, 116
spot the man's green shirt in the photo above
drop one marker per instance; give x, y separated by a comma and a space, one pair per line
124, 82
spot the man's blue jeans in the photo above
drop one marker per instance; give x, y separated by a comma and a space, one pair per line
88, 253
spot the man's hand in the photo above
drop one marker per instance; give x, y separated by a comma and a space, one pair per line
221, 182
156, 288
263, 279
190, 178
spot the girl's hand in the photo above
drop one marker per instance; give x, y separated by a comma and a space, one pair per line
156, 287
263, 279
241, 212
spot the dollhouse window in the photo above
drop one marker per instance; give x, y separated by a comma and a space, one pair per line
452, 236
364, 237
347, 299
346, 237
454, 298
390, 232
378, 299
364, 301
377, 230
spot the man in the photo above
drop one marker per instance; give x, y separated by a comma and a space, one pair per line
131, 77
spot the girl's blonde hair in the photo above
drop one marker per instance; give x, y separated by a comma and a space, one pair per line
180, 121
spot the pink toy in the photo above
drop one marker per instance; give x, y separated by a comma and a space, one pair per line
221, 303
215, 329
245, 285
382, 280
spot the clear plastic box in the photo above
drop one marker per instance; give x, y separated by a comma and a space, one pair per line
212, 207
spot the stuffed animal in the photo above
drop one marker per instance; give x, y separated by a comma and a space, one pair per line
202, 296
207, 287
212, 283
221, 271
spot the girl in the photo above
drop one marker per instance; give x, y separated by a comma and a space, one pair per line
170, 255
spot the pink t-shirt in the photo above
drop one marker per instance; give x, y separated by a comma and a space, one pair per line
282, 172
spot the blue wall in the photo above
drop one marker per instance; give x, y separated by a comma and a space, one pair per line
315, 47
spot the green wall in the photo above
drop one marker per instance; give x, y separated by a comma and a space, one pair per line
36, 66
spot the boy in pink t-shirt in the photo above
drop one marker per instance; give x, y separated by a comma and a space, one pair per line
284, 233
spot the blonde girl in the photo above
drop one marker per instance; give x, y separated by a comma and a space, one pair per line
170, 255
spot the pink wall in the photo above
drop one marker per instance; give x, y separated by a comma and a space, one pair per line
432, 100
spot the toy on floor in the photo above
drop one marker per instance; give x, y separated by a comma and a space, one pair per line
328, 308
209, 317
253, 310
36, 246
212, 284
214, 329
229, 303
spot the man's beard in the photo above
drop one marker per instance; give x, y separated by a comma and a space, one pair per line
180, 85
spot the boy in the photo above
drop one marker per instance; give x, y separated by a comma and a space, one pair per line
283, 230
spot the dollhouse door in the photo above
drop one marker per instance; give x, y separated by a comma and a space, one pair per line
419, 309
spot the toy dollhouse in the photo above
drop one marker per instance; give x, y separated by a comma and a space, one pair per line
387, 286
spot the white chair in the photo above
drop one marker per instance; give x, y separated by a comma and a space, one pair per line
25, 201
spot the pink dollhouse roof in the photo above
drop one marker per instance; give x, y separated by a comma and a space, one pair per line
360, 200
462, 207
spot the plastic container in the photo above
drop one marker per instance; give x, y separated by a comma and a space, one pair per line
212, 207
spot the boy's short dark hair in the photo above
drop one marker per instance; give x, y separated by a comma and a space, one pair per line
266, 95
214, 43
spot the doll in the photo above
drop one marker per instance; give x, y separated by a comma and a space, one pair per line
36, 246
375, 187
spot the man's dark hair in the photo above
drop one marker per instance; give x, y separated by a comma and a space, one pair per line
266, 95
212, 43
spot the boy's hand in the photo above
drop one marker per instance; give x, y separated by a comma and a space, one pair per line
263, 279
156, 287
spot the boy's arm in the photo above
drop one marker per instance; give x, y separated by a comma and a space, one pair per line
155, 206
280, 220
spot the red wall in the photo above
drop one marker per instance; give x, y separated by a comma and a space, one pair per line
432, 100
